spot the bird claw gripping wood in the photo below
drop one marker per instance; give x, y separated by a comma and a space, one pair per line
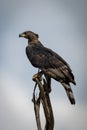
38, 75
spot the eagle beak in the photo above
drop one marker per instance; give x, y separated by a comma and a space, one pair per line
22, 35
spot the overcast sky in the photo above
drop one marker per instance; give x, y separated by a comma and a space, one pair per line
62, 26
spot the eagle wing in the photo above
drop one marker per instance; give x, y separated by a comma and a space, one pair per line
61, 69
50, 62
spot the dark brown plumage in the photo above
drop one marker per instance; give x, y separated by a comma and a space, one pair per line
49, 62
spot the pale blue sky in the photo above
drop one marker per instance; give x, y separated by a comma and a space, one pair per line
61, 25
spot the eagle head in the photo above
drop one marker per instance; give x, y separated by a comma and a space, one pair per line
31, 36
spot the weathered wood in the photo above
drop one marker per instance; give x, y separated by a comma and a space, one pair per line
43, 98
36, 102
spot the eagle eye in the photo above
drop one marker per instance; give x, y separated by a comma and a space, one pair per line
25, 33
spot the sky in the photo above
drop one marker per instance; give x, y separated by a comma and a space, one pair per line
62, 26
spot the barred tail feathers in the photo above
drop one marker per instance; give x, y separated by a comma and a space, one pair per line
69, 92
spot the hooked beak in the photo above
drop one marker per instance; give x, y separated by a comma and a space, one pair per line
22, 35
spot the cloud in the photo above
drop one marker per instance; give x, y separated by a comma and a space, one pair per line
68, 117
16, 109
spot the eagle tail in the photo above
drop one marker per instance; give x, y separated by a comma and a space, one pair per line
69, 92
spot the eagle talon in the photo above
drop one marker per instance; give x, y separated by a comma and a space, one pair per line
37, 76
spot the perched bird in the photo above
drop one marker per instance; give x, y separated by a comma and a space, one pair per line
49, 62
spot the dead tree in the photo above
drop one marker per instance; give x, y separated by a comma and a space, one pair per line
44, 98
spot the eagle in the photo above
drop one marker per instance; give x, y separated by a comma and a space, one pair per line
49, 62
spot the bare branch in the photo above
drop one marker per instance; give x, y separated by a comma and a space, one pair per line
45, 99
37, 108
